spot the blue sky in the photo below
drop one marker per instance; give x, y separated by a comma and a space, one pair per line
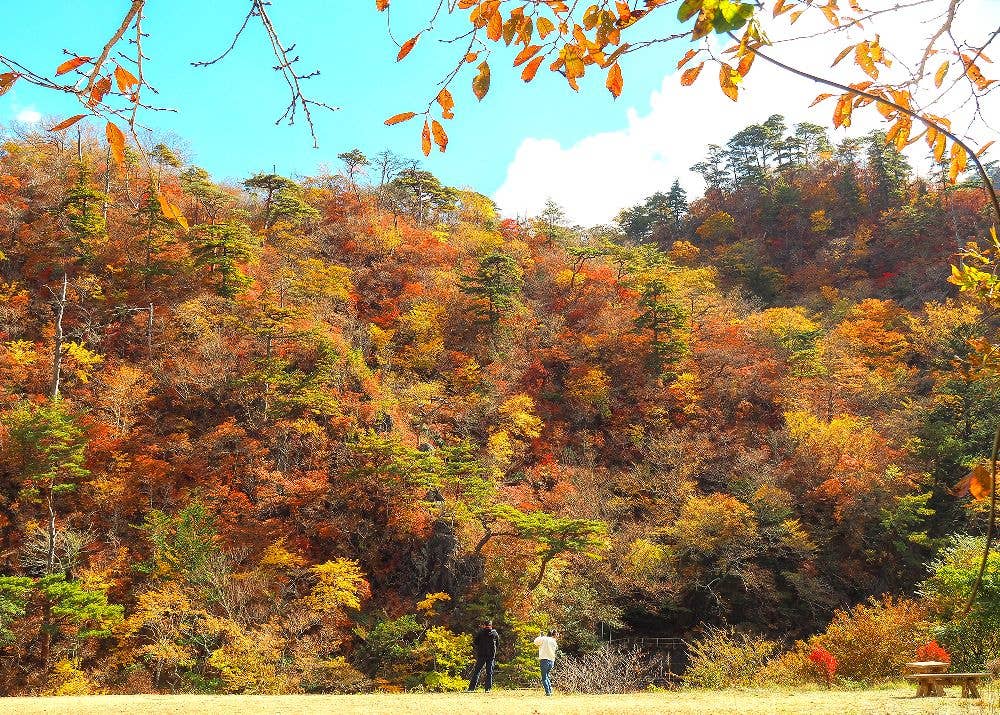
521, 145
227, 112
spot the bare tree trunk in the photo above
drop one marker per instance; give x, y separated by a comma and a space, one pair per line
58, 347
51, 550
149, 334
107, 184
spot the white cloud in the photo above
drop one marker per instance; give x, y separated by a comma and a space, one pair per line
30, 115
596, 177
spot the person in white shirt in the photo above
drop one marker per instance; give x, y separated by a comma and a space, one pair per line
547, 647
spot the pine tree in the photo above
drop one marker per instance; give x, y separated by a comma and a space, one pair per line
497, 281
222, 247
665, 319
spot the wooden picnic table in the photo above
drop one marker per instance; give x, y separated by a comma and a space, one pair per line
932, 684
925, 666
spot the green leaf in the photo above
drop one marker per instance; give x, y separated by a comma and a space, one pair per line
688, 9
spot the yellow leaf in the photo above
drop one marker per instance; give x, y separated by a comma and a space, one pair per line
727, 81
941, 72
957, 165
843, 53
545, 26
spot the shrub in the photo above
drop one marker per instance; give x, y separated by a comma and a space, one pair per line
726, 658
442, 657
972, 638
608, 670
790, 669
872, 641
825, 663
933, 651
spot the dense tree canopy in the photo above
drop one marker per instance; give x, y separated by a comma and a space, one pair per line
307, 432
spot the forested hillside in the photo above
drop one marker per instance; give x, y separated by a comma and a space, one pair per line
301, 433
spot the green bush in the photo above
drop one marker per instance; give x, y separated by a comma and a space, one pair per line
972, 638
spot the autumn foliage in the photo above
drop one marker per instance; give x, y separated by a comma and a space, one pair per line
298, 436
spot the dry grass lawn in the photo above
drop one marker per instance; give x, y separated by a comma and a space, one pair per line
898, 700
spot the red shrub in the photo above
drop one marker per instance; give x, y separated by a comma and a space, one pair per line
825, 663
932, 651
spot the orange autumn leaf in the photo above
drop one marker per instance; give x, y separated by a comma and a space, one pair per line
71, 64
401, 117
116, 140
447, 103
171, 211
690, 75
526, 54
531, 69
615, 80
125, 79
101, 87
439, 134
686, 58
407, 46
425, 139
66, 123
978, 483
381, 5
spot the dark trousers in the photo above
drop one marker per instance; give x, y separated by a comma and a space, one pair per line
486, 664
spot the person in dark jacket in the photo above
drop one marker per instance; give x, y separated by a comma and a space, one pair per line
484, 644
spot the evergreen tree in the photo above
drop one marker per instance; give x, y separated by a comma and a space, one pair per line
676, 204
222, 247
665, 319
888, 171
497, 282
83, 210
48, 447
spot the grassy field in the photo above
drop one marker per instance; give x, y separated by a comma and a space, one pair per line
892, 701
